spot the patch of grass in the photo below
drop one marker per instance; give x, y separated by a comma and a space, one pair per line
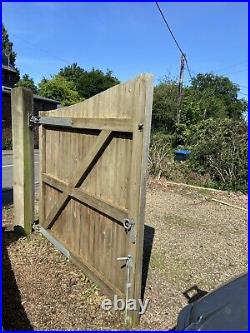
176, 272
88, 292
183, 222
157, 260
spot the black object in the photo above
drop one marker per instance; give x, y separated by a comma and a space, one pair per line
224, 309
7, 196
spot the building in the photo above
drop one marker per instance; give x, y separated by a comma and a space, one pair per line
10, 76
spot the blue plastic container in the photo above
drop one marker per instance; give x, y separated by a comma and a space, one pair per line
181, 154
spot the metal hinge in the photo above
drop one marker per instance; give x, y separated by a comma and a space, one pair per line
33, 120
129, 226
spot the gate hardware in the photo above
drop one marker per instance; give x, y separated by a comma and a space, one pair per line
129, 265
140, 126
129, 226
128, 260
33, 120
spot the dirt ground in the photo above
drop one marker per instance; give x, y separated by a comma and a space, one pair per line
189, 240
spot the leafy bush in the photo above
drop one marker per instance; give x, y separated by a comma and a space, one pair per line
162, 164
60, 89
219, 148
160, 154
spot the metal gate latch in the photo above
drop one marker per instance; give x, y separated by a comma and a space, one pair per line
128, 260
129, 265
129, 226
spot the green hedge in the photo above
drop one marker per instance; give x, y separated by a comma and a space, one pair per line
219, 155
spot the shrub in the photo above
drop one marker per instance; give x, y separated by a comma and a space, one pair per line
160, 154
219, 148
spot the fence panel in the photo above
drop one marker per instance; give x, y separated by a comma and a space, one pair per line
93, 162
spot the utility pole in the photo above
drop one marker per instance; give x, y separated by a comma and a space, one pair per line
180, 84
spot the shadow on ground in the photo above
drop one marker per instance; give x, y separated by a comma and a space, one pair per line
14, 316
194, 293
147, 249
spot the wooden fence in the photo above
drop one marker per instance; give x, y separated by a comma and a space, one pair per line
93, 159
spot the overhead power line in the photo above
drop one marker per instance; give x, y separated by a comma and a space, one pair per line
175, 40
231, 66
38, 48
241, 71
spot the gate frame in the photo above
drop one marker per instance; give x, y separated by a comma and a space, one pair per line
141, 125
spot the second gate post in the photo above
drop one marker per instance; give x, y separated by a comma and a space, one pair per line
23, 159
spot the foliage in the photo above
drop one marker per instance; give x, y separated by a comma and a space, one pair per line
213, 96
88, 83
212, 125
209, 95
218, 155
165, 106
219, 148
60, 89
7, 45
162, 163
160, 154
27, 82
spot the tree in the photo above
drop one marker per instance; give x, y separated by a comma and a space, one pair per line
27, 82
60, 89
165, 106
208, 96
74, 74
7, 46
88, 83
214, 96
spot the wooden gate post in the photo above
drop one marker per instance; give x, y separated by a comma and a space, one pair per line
23, 159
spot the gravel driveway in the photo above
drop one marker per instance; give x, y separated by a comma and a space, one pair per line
189, 241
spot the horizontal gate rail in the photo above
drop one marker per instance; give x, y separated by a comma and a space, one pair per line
116, 213
116, 125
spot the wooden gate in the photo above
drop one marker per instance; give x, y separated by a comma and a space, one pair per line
93, 158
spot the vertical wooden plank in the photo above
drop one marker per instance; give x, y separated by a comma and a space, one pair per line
42, 169
143, 98
23, 158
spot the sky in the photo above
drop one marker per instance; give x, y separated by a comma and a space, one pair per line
130, 38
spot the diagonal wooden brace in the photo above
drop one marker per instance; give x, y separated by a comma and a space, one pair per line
83, 170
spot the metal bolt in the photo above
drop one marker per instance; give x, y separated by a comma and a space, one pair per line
122, 258
140, 126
